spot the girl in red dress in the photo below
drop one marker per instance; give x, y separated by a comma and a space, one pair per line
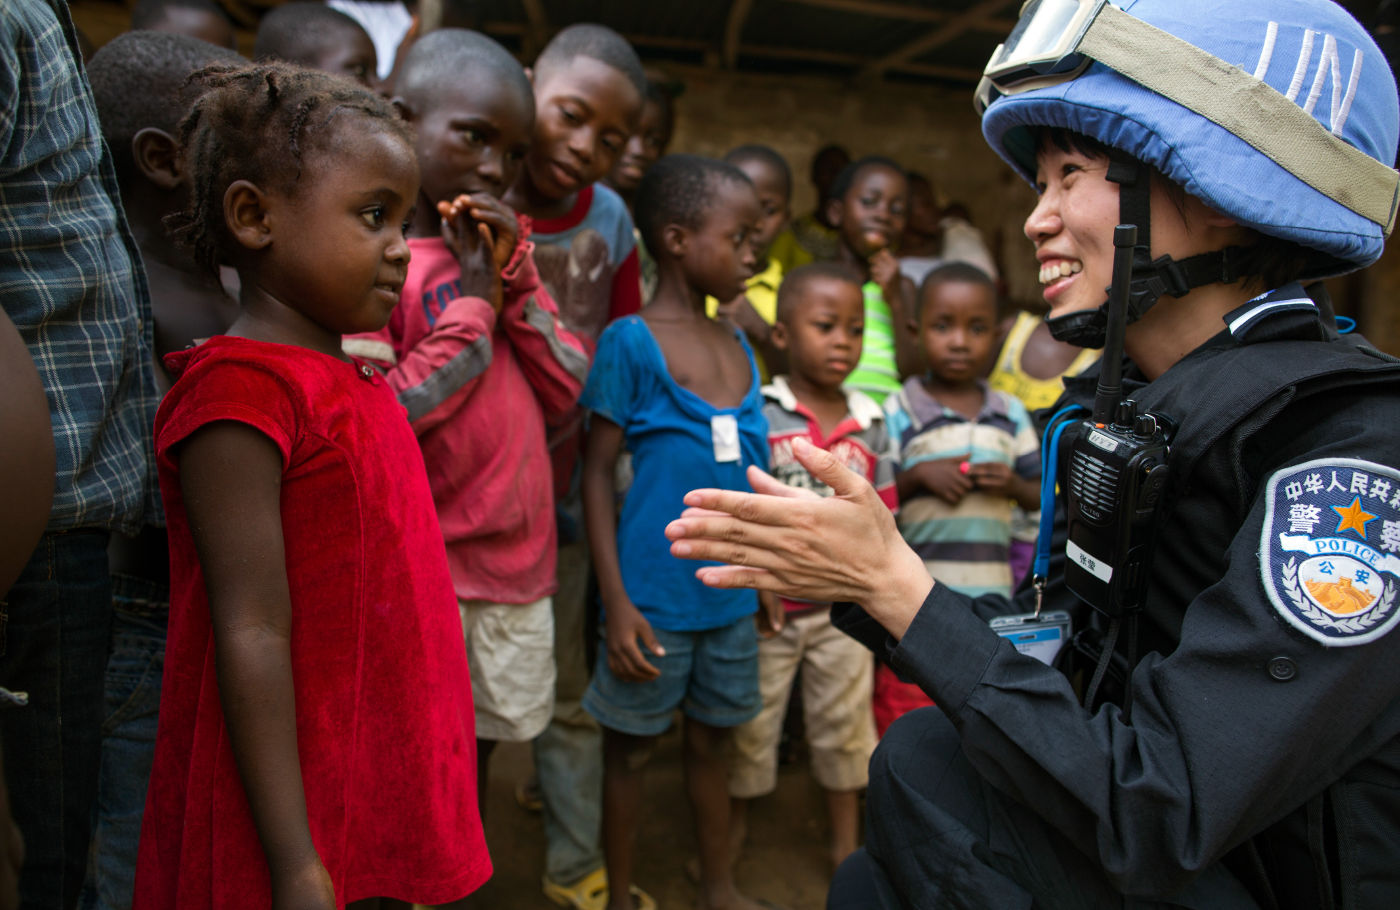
316, 744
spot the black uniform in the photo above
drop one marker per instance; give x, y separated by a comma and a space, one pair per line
1258, 764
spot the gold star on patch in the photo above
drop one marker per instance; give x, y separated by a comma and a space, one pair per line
1353, 517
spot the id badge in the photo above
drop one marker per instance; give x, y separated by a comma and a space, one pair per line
1041, 638
724, 432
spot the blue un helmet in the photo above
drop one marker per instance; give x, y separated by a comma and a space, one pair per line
1281, 114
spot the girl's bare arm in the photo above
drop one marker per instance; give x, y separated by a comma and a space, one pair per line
231, 477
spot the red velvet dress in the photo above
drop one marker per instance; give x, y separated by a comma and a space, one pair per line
385, 728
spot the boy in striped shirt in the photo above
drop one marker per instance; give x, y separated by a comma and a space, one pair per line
819, 326
966, 452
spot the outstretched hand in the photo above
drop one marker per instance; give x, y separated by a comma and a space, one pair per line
841, 548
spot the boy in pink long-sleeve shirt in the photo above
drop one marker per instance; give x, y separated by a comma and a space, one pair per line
477, 356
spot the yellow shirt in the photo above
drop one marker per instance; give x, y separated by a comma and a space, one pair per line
763, 297
788, 252
1010, 377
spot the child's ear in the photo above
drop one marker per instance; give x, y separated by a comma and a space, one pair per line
834, 210
403, 107
246, 215
157, 156
676, 240
913, 326
778, 335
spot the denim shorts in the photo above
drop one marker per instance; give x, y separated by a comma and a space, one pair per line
711, 675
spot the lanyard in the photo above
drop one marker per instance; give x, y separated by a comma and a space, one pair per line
1049, 468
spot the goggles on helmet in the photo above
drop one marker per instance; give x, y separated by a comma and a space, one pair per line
1057, 40
1042, 49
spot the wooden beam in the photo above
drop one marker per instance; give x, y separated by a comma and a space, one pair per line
537, 35
907, 12
950, 30
734, 32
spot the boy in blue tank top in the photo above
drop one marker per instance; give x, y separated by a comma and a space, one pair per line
682, 392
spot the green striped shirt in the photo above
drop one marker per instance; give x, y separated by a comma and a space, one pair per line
876, 375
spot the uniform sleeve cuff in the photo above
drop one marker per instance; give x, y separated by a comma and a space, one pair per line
946, 649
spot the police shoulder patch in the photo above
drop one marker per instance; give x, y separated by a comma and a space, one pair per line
1329, 550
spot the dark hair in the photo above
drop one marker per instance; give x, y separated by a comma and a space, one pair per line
953, 273
1267, 263
138, 81
597, 42
257, 123
299, 32
851, 172
764, 155
658, 95
790, 294
447, 55
679, 189
152, 12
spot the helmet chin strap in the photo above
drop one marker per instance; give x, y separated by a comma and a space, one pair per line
1152, 278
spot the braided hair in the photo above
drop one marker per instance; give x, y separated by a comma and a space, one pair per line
258, 123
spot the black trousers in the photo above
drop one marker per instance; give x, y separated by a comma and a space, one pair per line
939, 836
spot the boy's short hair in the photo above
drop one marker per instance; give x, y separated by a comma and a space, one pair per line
764, 155
852, 171
138, 81
953, 273
152, 12
597, 42
445, 55
297, 32
795, 282
679, 189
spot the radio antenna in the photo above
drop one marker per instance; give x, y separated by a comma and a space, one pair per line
1110, 389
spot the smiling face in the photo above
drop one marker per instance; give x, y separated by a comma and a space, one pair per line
585, 112
644, 148
718, 257
336, 251
823, 332
472, 137
957, 329
871, 214
772, 188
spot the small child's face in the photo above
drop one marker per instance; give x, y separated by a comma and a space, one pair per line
823, 333
718, 257
351, 56
646, 146
957, 329
772, 192
585, 112
871, 214
334, 250
472, 137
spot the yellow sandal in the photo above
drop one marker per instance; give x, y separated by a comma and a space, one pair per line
591, 893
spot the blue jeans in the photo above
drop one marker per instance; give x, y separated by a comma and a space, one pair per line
569, 753
140, 612
53, 645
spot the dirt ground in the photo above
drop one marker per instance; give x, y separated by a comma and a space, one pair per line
785, 860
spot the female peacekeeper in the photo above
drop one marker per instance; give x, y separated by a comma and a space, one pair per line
1259, 763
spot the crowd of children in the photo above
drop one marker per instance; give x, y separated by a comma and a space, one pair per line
352, 609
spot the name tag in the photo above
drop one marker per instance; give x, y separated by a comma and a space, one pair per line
1095, 567
724, 433
1039, 638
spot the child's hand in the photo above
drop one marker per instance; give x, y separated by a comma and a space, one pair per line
474, 245
309, 888
500, 217
884, 271
771, 616
625, 624
944, 478
992, 477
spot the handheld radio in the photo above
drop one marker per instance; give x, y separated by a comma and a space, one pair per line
1117, 473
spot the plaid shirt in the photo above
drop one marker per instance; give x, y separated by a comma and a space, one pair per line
71, 278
